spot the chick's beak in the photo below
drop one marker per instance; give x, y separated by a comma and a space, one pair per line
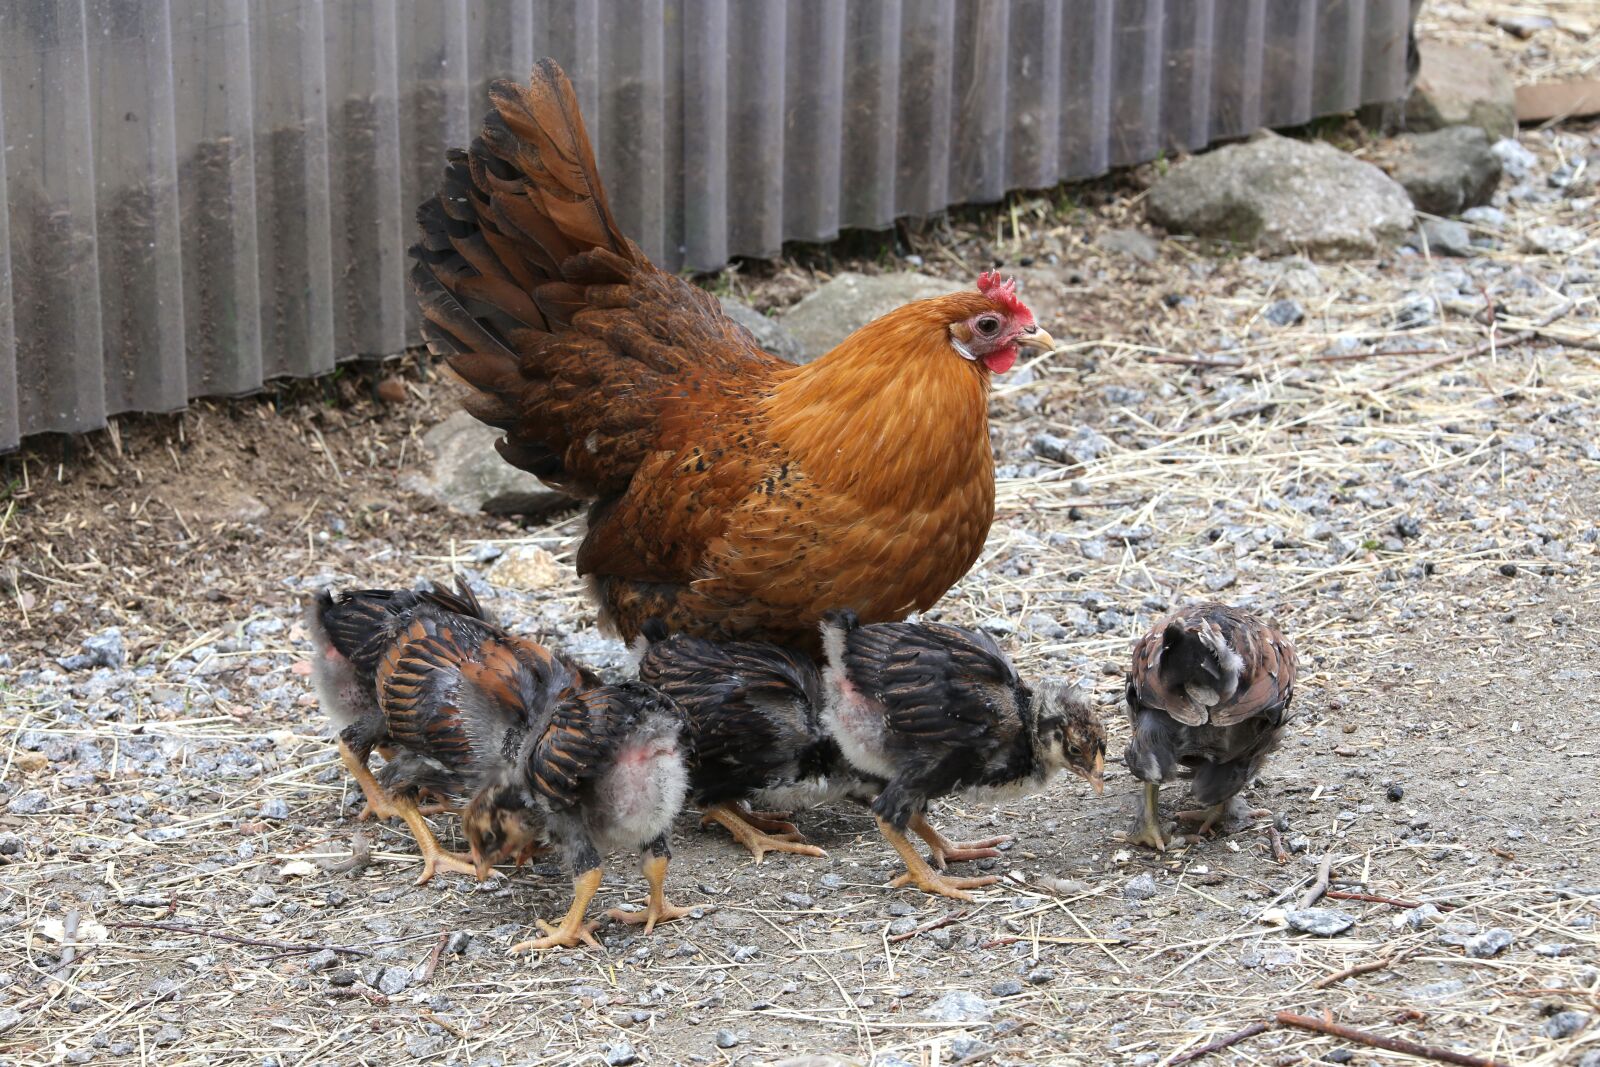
483, 864
1036, 337
1096, 775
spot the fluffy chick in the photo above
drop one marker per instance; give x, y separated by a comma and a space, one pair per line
755, 734
933, 709
428, 679
606, 770
1209, 691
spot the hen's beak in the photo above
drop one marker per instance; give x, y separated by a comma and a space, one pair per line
1036, 338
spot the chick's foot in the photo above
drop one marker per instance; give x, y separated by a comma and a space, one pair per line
758, 842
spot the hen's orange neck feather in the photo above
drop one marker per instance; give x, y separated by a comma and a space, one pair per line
893, 415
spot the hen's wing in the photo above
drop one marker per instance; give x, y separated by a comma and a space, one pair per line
1266, 681
938, 683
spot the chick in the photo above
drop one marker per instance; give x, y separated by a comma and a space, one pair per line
428, 679
1209, 690
606, 769
933, 709
754, 713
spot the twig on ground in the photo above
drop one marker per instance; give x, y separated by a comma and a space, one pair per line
360, 857
1391, 1044
433, 957
1221, 1043
69, 946
936, 924
1490, 343
255, 942
1375, 898
1320, 886
1368, 967
1279, 853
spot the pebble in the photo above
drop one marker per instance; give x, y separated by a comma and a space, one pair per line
900, 907
1041, 976
1554, 949
727, 1039
1338, 1055
1491, 217
621, 1054
959, 1006
1563, 1024
1322, 922
1590, 1059
1489, 943
9, 1018
745, 953
1425, 915
1396, 792
799, 900
903, 925
831, 881
1008, 988
394, 980
275, 808
29, 802
1141, 887
168, 1035
1284, 313
1049, 446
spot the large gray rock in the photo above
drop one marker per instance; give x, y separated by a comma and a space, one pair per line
770, 333
1283, 196
1461, 86
467, 472
849, 302
1444, 172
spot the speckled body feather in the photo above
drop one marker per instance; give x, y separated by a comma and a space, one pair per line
1210, 689
734, 496
754, 722
936, 709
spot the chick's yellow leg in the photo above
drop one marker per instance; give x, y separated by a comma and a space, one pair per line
434, 855
658, 910
943, 850
573, 931
1147, 827
378, 799
925, 878
758, 842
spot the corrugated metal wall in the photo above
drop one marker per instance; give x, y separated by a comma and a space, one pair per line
202, 194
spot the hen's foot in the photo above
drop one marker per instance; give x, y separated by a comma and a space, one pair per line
573, 931
1147, 827
925, 878
942, 850
755, 840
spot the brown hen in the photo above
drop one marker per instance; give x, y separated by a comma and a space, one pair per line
734, 496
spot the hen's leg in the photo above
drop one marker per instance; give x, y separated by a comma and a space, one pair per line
755, 840
573, 931
1147, 825
943, 850
658, 910
435, 857
925, 878
378, 800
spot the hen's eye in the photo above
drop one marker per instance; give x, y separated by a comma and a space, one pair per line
1074, 750
988, 325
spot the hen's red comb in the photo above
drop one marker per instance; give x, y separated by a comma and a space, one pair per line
1003, 291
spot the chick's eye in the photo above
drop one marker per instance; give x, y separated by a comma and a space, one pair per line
1074, 750
988, 325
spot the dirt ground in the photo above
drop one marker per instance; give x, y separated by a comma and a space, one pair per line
177, 837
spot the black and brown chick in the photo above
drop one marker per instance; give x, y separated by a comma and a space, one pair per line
606, 769
428, 679
755, 734
1209, 691
933, 709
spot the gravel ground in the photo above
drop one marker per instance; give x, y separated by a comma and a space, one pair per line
185, 881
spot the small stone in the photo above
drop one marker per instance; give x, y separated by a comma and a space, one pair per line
1461, 86
422, 1046
167, 1035
1554, 948
275, 808
745, 953
1446, 237
903, 925
1423, 915
10, 1018
1338, 1055
1284, 313
1008, 988
1563, 1024
1298, 843
1135, 244
727, 1039
1396, 792
1049, 446
1490, 943
799, 900
1446, 171
1224, 580
959, 1006
28, 802
105, 649
394, 980
1508, 569
1041, 976
1321, 922
1141, 887
831, 881
622, 1054
12, 845
321, 961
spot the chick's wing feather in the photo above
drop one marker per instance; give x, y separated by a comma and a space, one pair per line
938, 683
